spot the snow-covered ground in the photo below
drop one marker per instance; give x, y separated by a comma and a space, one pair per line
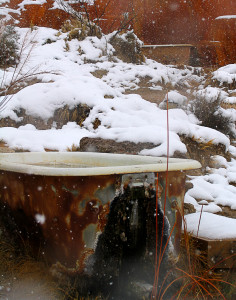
211, 226
67, 79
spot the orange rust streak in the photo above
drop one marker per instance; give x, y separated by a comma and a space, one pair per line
69, 204
175, 192
102, 217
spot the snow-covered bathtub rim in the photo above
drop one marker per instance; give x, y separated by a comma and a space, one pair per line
92, 163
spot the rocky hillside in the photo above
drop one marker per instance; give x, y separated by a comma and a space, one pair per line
74, 91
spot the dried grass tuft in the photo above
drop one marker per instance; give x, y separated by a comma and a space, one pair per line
80, 28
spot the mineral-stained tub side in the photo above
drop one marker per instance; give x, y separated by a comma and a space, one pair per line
61, 201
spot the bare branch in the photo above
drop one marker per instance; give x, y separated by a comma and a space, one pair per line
102, 13
19, 77
124, 25
129, 14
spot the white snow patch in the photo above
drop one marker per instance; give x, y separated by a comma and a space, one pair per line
40, 218
226, 17
211, 226
230, 100
28, 138
174, 97
212, 94
225, 74
215, 188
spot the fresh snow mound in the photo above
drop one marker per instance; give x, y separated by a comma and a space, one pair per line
214, 188
212, 94
230, 100
226, 74
29, 138
211, 226
174, 97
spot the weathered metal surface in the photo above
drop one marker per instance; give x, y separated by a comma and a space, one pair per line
68, 211
63, 216
174, 202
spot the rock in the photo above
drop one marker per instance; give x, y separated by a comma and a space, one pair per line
127, 48
203, 152
188, 186
60, 118
110, 146
189, 209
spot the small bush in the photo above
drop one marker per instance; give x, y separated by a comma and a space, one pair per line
207, 108
127, 47
8, 45
79, 29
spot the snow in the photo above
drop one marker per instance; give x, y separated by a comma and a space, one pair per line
214, 188
65, 77
40, 218
226, 74
29, 138
211, 226
226, 17
212, 94
68, 81
174, 97
29, 2
230, 100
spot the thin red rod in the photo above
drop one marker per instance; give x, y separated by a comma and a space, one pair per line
157, 267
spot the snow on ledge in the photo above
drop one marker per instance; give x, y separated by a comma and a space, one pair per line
212, 226
226, 17
225, 74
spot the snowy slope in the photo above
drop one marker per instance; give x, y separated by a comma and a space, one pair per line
123, 117
66, 79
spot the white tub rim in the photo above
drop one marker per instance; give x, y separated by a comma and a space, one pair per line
96, 163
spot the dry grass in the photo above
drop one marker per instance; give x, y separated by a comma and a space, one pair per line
127, 48
194, 279
73, 148
80, 28
23, 277
214, 118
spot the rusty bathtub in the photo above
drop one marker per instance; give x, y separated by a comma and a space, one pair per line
61, 201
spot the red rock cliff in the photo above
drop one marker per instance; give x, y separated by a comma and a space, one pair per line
157, 21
